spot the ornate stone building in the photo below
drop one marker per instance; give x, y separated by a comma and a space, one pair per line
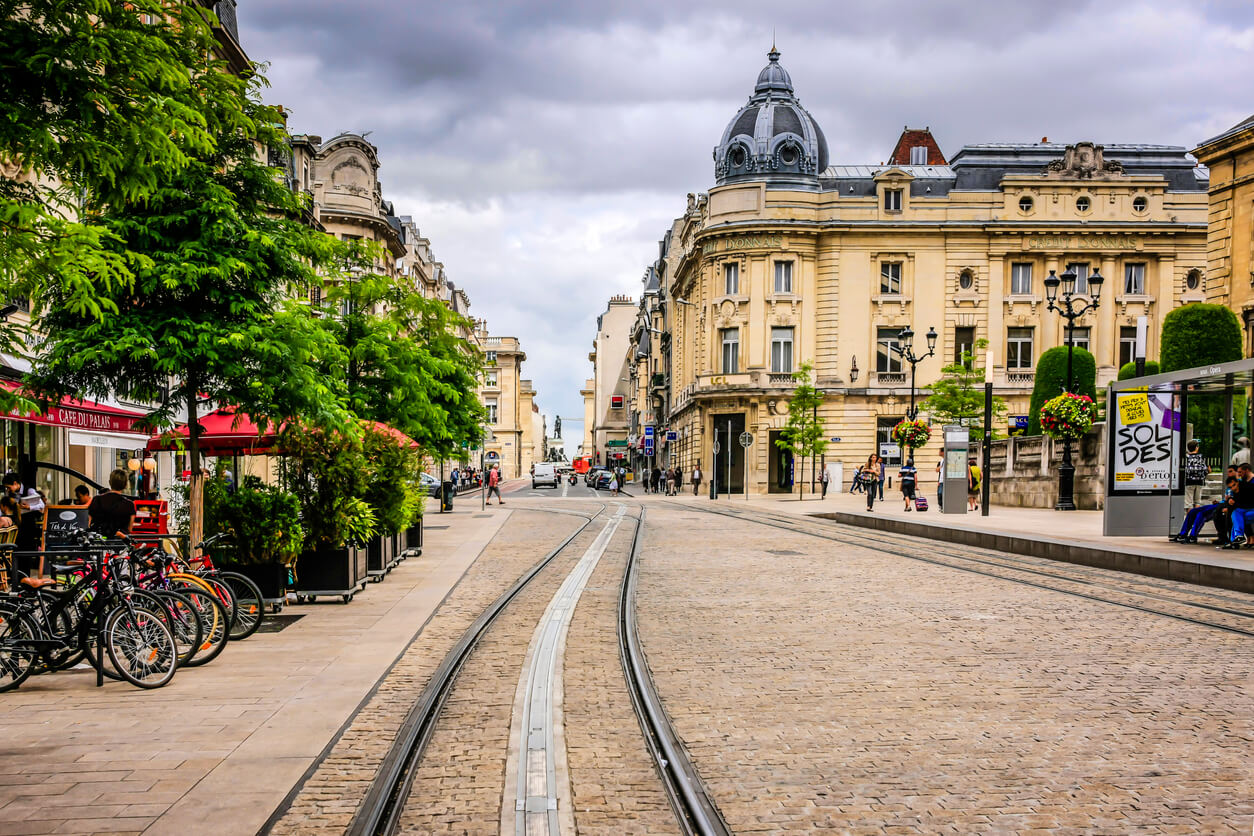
791, 259
611, 384
510, 402
1230, 243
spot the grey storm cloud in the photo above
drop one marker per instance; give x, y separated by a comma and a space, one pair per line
544, 147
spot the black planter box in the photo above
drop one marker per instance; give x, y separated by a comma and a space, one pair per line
330, 572
271, 578
413, 537
378, 557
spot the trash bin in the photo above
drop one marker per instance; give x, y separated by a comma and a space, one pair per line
446, 496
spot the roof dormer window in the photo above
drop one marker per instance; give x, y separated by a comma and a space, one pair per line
892, 200
918, 155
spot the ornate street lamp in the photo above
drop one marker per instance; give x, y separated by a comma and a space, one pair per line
853, 370
1070, 307
905, 348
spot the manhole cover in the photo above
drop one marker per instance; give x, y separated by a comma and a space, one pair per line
278, 623
781, 551
434, 527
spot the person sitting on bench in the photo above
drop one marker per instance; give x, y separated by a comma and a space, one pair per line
1202, 514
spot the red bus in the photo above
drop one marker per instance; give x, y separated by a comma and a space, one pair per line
582, 464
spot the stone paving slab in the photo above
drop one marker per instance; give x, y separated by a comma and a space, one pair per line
216, 750
825, 687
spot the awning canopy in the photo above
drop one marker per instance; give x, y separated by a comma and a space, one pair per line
227, 433
1219, 378
85, 415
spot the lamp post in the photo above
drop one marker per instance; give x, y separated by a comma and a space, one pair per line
906, 350
985, 487
1070, 307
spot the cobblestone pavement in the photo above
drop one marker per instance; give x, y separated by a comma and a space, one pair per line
327, 800
822, 686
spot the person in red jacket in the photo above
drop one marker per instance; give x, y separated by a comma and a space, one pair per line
494, 485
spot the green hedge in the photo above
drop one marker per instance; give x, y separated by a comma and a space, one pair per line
1199, 335
1051, 379
1128, 370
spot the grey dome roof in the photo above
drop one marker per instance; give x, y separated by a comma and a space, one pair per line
772, 137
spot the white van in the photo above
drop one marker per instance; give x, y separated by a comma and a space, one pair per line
545, 473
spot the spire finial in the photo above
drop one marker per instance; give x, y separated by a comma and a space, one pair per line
773, 55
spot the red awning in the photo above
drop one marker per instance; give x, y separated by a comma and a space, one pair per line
226, 433
79, 414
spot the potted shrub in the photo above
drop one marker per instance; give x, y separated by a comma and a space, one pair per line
266, 534
392, 491
327, 471
911, 434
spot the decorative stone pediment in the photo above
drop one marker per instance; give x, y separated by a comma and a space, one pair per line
1084, 161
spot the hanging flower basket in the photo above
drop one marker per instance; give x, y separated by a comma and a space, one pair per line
1068, 416
912, 434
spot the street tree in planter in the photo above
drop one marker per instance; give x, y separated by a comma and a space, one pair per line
264, 525
804, 433
1202, 334
327, 470
214, 250
98, 110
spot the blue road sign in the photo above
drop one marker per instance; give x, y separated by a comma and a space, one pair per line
648, 432
834, 439
671, 435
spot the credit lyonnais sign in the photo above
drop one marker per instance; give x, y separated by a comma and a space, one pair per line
743, 242
1081, 242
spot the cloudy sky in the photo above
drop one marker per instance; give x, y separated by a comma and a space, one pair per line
544, 147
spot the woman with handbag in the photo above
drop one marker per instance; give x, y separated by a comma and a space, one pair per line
870, 479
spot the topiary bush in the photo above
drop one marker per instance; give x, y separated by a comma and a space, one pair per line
1199, 335
1128, 370
1051, 379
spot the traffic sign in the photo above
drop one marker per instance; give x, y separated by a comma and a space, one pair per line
834, 439
671, 435
746, 438
648, 432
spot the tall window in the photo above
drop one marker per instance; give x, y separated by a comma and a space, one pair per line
1127, 344
884, 435
918, 155
731, 278
1081, 270
890, 277
887, 358
783, 277
1018, 348
731, 350
892, 200
1021, 278
489, 380
490, 358
964, 342
1080, 338
491, 406
781, 350
1134, 279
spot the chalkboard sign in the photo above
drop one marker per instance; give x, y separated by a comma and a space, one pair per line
61, 524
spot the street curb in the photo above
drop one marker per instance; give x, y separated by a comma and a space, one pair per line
1066, 551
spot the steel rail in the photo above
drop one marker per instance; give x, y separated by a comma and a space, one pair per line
695, 810
380, 812
863, 534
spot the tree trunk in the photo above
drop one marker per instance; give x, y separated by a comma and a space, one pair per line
196, 487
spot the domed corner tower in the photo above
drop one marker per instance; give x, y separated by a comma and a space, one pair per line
772, 137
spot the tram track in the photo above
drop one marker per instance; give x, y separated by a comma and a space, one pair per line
385, 803
1016, 570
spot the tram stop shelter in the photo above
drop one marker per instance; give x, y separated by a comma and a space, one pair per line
1147, 420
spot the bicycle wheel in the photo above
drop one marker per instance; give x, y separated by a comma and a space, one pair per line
66, 618
216, 623
141, 598
219, 590
17, 653
185, 623
250, 606
140, 645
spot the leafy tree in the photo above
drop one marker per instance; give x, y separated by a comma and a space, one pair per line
958, 397
804, 434
391, 487
403, 363
1051, 380
102, 102
1128, 370
214, 250
1199, 334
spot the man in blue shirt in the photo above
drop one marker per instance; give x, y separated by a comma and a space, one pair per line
908, 476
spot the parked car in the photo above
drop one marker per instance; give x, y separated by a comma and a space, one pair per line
429, 484
544, 473
590, 476
601, 479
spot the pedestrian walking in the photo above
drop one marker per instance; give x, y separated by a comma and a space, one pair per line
824, 478
657, 479
614, 485
940, 480
908, 476
880, 484
973, 484
857, 485
696, 480
871, 478
670, 481
494, 485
